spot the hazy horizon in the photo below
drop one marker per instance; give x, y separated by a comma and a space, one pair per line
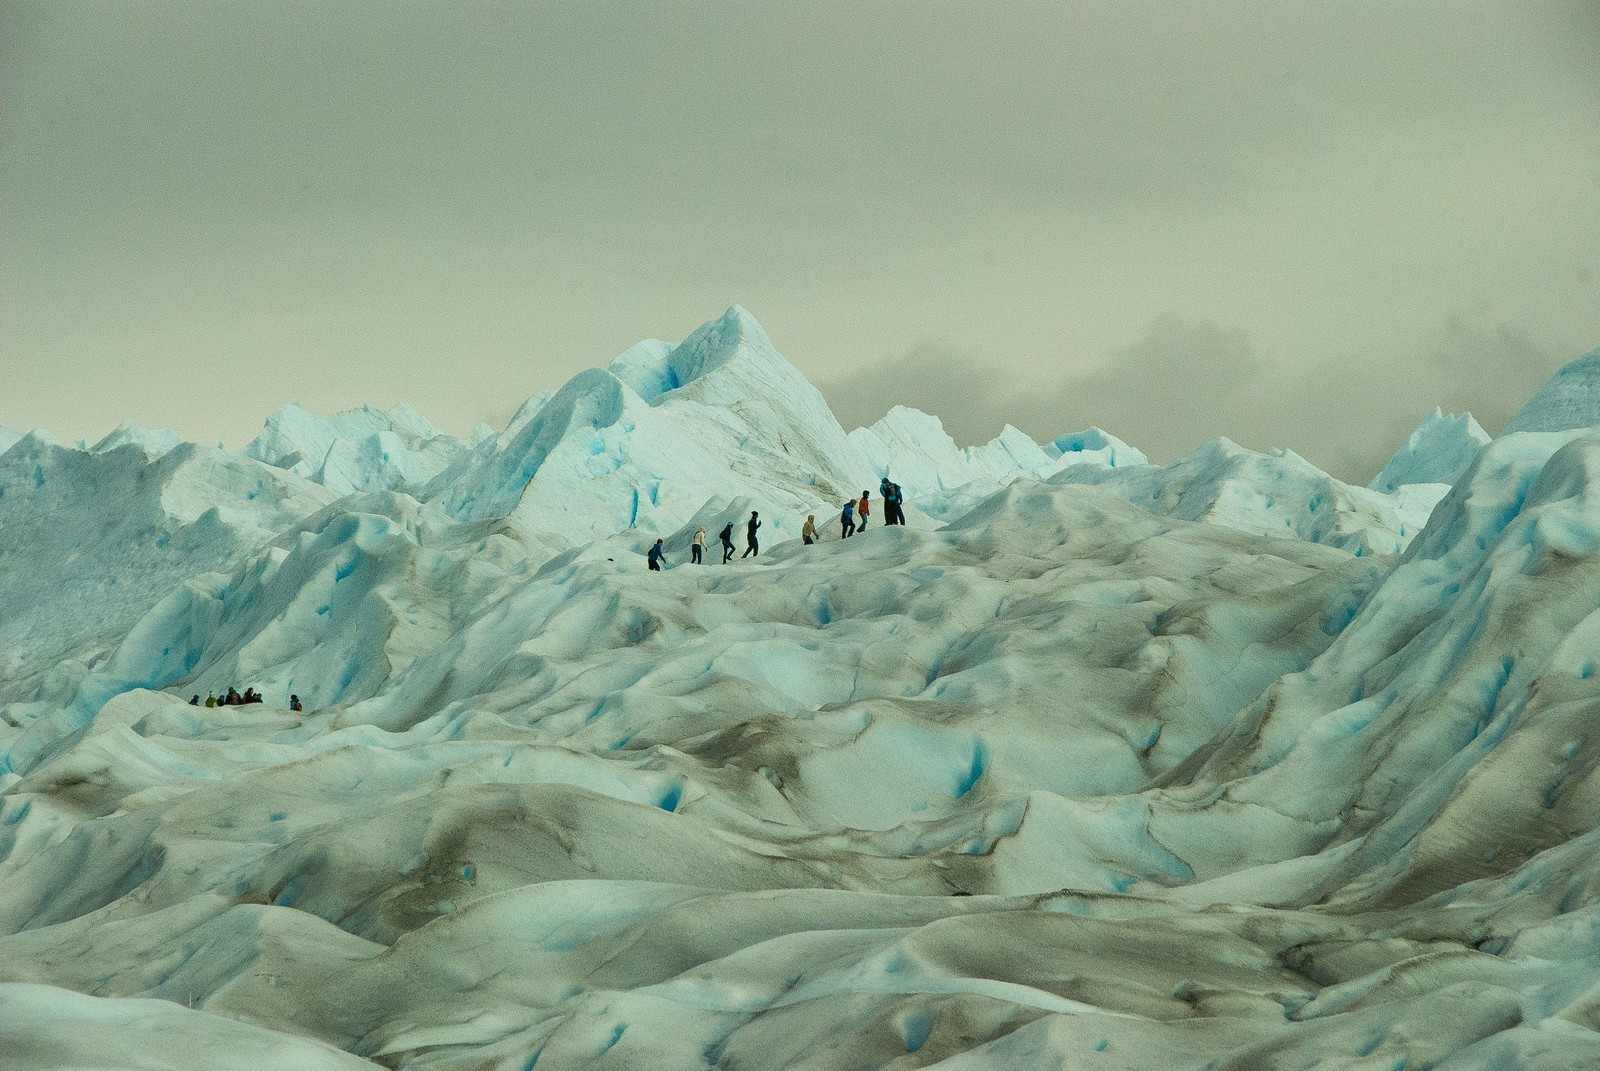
1295, 226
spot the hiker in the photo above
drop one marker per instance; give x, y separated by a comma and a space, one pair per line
862, 509
890, 493
211, 699
726, 535
751, 546
808, 533
697, 549
251, 696
847, 518
194, 700
294, 703
657, 556
233, 698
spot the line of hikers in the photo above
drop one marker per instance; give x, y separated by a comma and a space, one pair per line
852, 519
233, 698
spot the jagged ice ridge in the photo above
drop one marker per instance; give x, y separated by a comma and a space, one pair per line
1221, 763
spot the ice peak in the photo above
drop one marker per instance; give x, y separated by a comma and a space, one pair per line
1093, 441
1438, 451
155, 441
1571, 399
734, 337
735, 341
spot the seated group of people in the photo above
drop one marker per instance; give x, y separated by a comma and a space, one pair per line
233, 698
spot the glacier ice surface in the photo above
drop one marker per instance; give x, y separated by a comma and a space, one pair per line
1215, 764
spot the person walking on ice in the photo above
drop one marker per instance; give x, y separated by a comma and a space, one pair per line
862, 509
726, 535
808, 533
657, 555
697, 549
847, 520
752, 546
890, 493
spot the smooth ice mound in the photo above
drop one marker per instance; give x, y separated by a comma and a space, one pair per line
1570, 400
1216, 764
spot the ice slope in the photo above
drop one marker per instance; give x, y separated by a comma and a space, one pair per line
1219, 799
1437, 452
362, 449
90, 541
645, 443
564, 778
8, 437
1443, 737
1569, 400
41, 1027
1127, 776
1275, 493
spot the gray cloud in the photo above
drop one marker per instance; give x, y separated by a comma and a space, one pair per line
971, 396
1182, 382
1185, 381
212, 208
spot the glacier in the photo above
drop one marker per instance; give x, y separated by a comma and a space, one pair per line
1214, 764
1438, 452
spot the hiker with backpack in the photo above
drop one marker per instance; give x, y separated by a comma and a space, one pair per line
891, 495
657, 555
847, 520
726, 535
808, 532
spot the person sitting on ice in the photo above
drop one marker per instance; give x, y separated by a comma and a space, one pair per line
751, 546
657, 555
233, 698
847, 520
294, 703
726, 535
194, 700
697, 549
211, 699
808, 532
863, 508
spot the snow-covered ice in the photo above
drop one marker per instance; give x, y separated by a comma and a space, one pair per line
1274, 493
357, 450
1098, 764
1438, 452
1570, 400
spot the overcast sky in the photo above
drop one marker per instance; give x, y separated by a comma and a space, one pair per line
1294, 223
